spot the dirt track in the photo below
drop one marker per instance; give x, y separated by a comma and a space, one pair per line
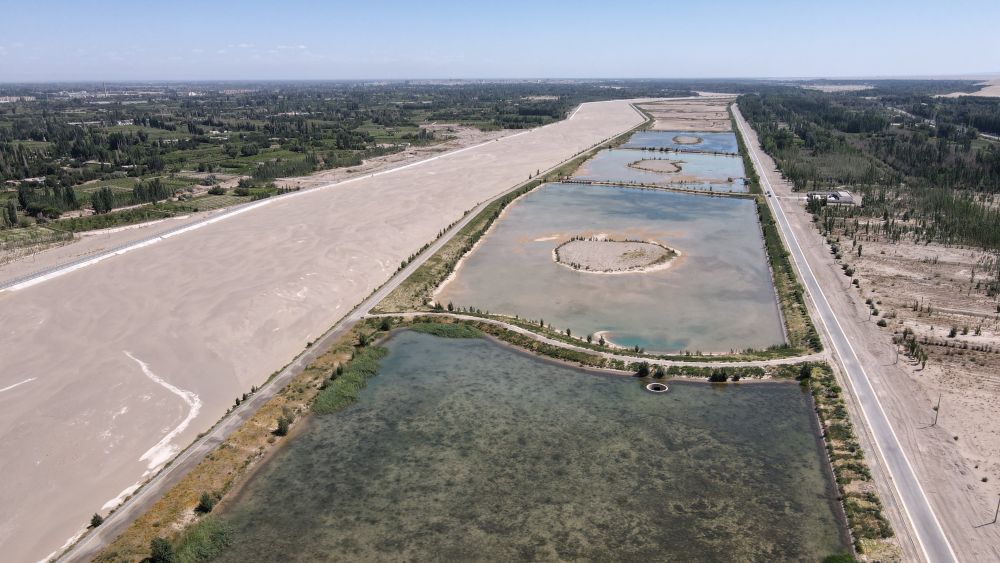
123, 352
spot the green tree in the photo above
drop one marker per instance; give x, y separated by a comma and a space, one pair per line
96, 520
103, 200
805, 372
11, 212
206, 503
282, 429
160, 551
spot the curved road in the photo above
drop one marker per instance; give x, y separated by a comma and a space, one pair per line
933, 542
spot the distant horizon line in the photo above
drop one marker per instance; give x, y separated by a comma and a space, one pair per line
962, 76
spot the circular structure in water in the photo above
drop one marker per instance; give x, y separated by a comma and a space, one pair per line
688, 140
656, 387
606, 256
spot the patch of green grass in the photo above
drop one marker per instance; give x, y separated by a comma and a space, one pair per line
122, 218
344, 388
203, 541
863, 509
799, 327
449, 330
210, 202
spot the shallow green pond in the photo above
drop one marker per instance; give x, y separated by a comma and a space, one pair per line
466, 450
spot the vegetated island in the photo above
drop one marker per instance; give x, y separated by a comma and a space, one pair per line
688, 140
604, 255
662, 165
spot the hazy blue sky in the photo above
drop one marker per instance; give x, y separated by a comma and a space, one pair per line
227, 39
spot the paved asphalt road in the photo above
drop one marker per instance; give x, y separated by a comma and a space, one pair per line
930, 535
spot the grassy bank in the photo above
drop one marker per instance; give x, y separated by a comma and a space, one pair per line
346, 383
334, 381
548, 331
799, 327
231, 462
870, 529
584, 358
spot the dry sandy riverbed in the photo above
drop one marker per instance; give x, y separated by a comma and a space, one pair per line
104, 366
707, 114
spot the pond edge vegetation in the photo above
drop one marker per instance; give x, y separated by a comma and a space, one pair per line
178, 523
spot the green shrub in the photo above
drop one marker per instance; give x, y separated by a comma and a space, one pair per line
345, 388
161, 551
447, 330
282, 429
203, 541
718, 376
205, 504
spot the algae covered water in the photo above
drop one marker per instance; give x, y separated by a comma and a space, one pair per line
463, 450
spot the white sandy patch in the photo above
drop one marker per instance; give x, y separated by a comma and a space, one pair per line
164, 450
121, 497
9, 387
68, 543
544, 239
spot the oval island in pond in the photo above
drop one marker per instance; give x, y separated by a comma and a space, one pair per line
608, 256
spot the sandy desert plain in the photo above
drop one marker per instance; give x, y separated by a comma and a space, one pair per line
100, 389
